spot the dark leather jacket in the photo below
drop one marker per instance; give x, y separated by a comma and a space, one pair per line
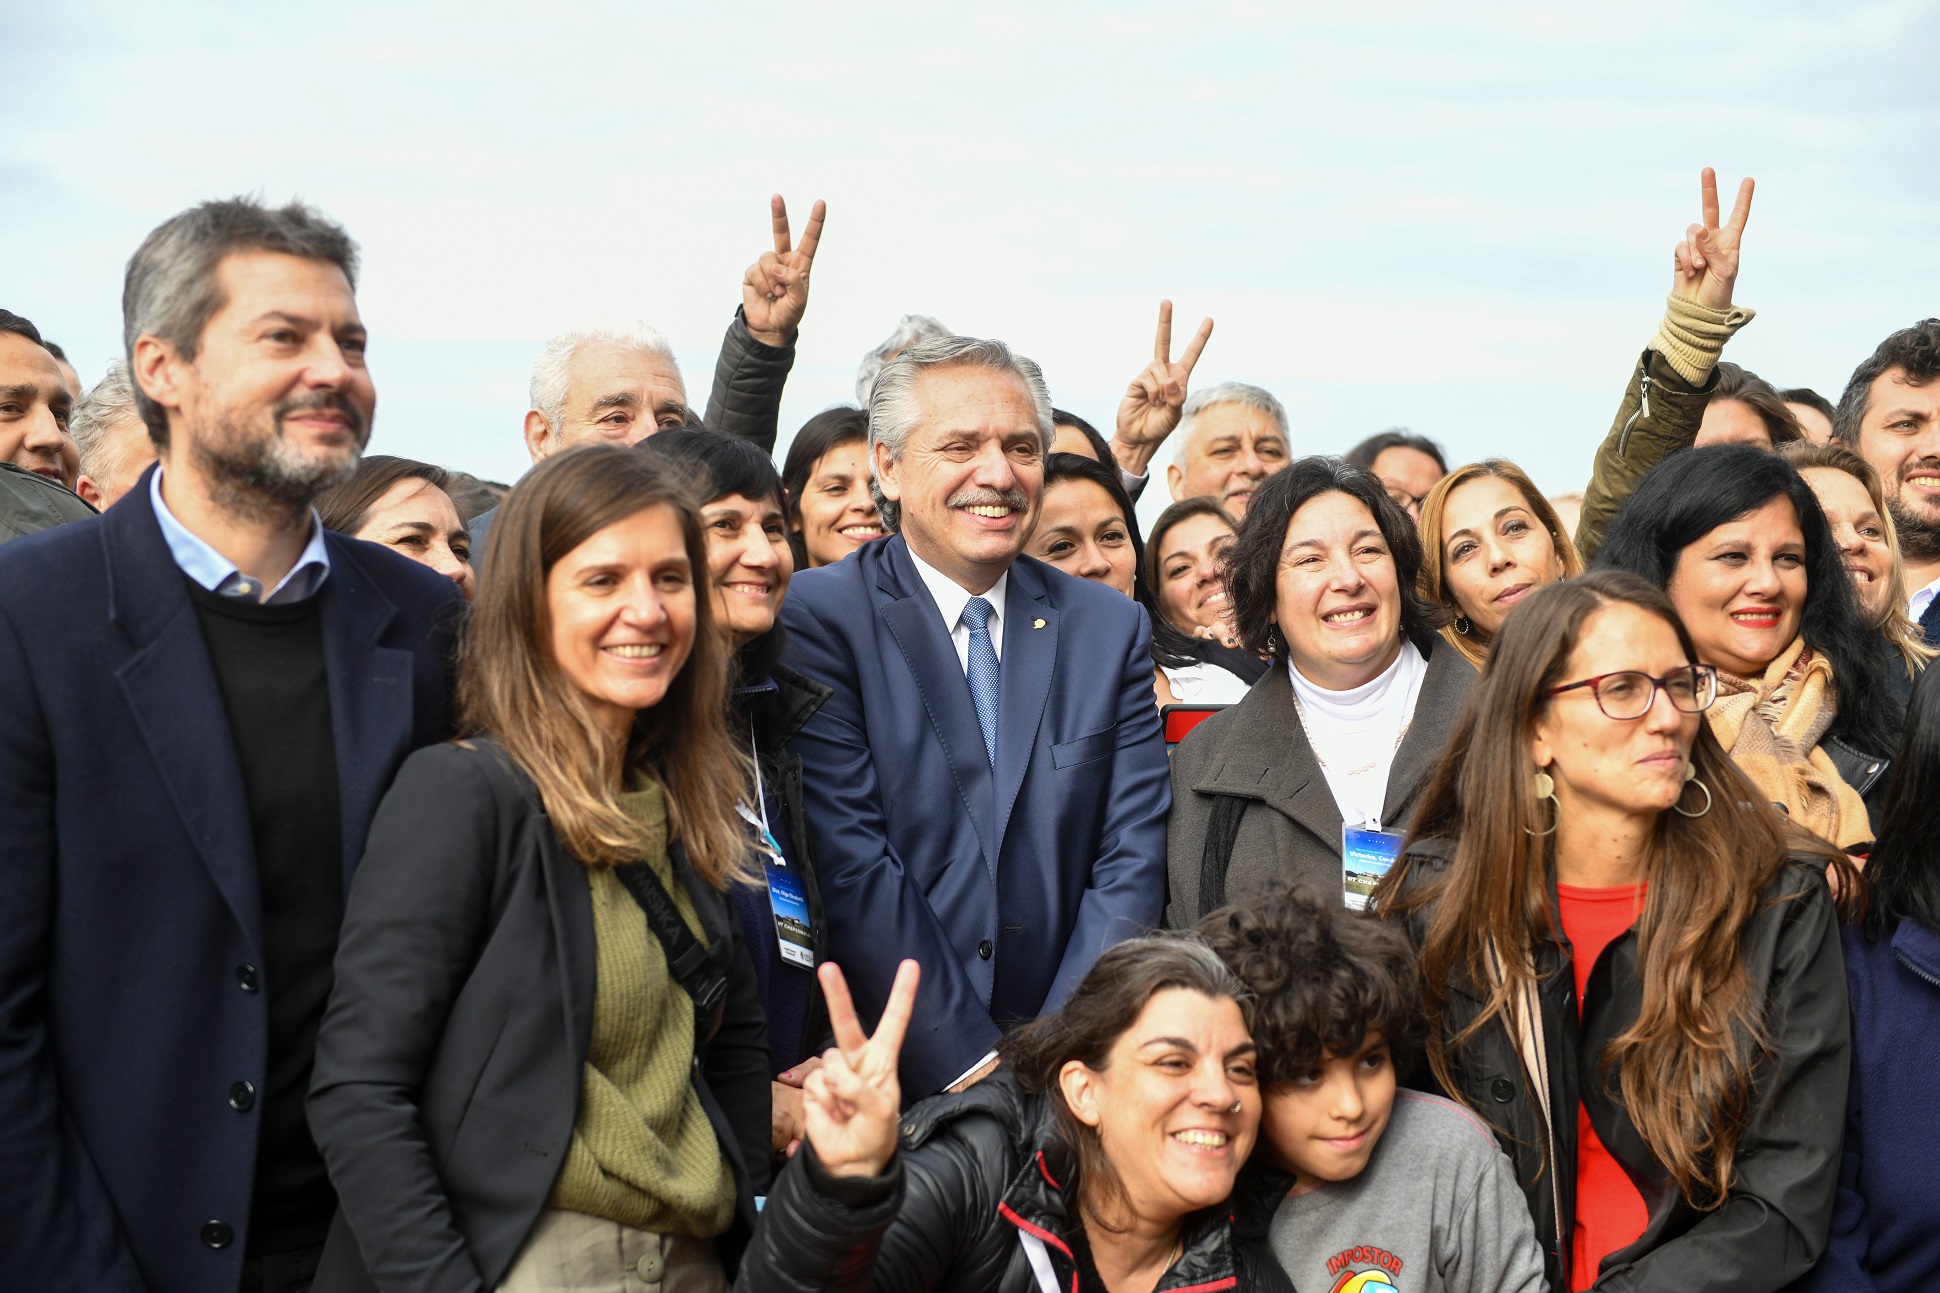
974, 1173
1772, 1226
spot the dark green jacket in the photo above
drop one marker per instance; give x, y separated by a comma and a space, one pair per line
1660, 414
30, 502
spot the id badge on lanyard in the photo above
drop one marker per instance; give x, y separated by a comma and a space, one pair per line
787, 900
1366, 853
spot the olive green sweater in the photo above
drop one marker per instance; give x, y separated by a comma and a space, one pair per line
643, 1152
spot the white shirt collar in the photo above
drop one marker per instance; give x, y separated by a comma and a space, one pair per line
951, 597
1916, 605
218, 574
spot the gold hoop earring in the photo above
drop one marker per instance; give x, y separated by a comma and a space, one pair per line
1690, 779
1546, 789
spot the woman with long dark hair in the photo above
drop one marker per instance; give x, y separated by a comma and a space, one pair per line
1738, 540
1101, 1157
744, 516
1886, 1226
1087, 527
544, 1061
1185, 569
1630, 958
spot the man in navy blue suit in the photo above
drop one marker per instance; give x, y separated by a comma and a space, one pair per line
203, 695
1890, 416
987, 788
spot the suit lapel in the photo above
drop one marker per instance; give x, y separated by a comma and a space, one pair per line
913, 620
171, 687
1030, 658
371, 704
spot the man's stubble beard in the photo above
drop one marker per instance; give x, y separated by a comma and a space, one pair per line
255, 474
1919, 534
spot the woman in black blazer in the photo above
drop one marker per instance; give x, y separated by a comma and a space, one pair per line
544, 1063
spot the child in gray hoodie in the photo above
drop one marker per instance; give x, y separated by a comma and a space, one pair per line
1392, 1190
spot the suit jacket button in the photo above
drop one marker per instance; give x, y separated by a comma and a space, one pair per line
246, 978
242, 1097
985, 949
217, 1234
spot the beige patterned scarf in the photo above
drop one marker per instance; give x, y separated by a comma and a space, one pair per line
1771, 729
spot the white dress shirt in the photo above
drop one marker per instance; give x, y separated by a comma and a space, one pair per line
950, 598
1916, 605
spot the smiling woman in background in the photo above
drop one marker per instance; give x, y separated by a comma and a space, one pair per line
1855, 506
1738, 540
1489, 538
403, 505
1087, 528
830, 511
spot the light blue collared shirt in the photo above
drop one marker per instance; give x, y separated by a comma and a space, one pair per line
218, 574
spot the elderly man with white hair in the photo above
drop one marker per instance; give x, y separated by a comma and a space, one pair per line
1231, 437
985, 788
111, 437
621, 385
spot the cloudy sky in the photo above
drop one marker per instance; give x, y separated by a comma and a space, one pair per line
1396, 213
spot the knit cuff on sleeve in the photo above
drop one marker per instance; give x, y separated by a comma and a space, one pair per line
1692, 336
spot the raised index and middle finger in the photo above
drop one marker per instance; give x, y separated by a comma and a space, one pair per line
811, 236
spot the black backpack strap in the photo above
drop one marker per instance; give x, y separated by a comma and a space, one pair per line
1218, 856
687, 958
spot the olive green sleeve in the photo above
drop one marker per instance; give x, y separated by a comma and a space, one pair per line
1661, 410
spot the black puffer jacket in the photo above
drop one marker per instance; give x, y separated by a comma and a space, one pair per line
1772, 1227
975, 1174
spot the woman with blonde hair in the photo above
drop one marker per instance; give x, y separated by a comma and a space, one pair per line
1854, 501
544, 1064
1489, 538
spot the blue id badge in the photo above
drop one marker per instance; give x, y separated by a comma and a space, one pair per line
1365, 857
786, 900
790, 906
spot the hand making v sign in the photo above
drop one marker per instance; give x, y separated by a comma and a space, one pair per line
774, 291
1150, 410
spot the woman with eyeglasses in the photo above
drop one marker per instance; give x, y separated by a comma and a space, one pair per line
1738, 540
1631, 962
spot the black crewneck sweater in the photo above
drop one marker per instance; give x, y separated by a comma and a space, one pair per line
269, 664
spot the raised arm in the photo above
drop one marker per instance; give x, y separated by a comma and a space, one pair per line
1151, 408
759, 348
1663, 405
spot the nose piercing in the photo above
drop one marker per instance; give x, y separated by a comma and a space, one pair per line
1238, 1105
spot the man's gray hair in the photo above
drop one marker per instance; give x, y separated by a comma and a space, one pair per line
1199, 401
111, 401
552, 371
895, 410
910, 329
171, 290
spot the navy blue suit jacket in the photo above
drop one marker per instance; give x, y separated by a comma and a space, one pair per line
1004, 885
128, 888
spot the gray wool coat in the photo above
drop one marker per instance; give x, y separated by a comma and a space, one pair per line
1291, 829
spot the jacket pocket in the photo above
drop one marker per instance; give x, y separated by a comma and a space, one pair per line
1069, 754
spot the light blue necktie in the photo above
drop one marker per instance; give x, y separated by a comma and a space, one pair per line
984, 672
